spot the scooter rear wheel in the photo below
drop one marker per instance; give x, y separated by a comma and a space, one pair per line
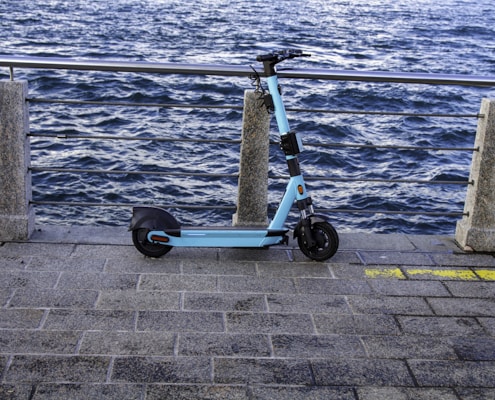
327, 242
140, 240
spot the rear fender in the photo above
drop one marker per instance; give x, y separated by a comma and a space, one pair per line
154, 219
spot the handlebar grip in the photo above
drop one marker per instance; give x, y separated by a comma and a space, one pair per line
265, 57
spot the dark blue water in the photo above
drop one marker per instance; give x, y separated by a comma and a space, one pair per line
393, 35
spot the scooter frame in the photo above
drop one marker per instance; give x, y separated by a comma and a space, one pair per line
156, 231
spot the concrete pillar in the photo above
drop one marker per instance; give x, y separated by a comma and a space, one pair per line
16, 214
476, 232
252, 195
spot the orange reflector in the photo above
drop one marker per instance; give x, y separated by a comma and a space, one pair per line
159, 239
300, 189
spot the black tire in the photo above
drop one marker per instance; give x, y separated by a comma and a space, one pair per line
327, 241
139, 238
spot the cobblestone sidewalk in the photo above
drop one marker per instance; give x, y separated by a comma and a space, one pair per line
389, 317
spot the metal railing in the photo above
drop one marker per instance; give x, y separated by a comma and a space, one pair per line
221, 70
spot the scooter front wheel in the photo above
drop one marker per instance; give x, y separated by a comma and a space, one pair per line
327, 242
144, 246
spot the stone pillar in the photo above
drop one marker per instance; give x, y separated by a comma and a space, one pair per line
476, 232
16, 214
252, 198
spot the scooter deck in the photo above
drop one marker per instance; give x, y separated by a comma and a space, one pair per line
191, 236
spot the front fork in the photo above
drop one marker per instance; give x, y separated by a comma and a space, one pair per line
303, 228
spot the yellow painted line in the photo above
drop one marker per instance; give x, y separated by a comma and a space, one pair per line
427, 273
458, 274
375, 273
486, 274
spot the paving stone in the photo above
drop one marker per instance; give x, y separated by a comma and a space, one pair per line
128, 343
16, 392
74, 264
264, 371
476, 393
224, 302
128, 253
406, 347
361, 372
472, 289
488, 324
162, 369
28, 279
348, 271
307, 303
475, 349
453, 373
389, 305
143, 265
20, 319
222, 344
301, 393
463, 307
390, 393
464, 260
13, 263
317, 346
83, 391
294, 270
268, 323
60, 319
138, 300
178, 283
440, 326
373, 324
49, 250
5, 296
194, 392
396, 258
176, 321
332, 286
398, 287
47, 368
269, 254
255, 285
31, 341
441, 245
201, 267
97, 281
54, 298
367, 241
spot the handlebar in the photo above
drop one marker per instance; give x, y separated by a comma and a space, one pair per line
281, 55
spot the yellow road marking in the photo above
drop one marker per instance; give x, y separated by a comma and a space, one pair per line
374, 273
486, 274
454, 274
459, 274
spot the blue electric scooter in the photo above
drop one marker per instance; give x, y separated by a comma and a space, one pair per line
155, 231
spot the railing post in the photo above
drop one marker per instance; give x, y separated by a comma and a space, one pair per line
16, 214
476, 232
252, 197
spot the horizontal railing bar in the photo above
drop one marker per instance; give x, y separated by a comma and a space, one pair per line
387, 113
238, 141
198, 207
193, 106
210, 175
122, 172
131, 138
390, 146
243, 70
376, 180
131, 104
